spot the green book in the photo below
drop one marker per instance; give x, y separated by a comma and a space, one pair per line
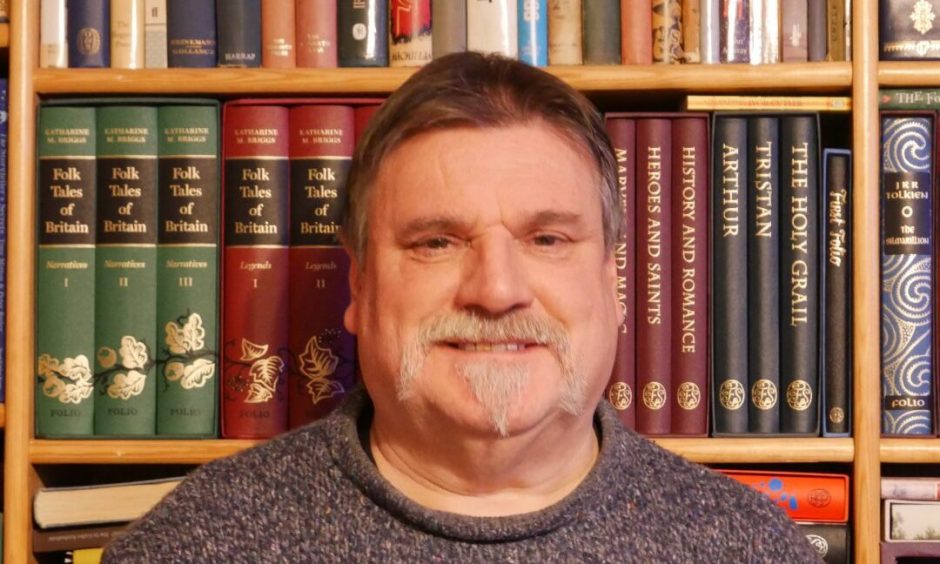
126, 276
65, 272
187, 270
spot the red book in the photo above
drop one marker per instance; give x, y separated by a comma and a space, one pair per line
278, 44
255, 271
409, 33
316, 33
363, 116
654, 280
690, 274
621, 391
804, 496
322, 351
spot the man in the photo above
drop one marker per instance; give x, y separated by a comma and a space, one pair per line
481, 222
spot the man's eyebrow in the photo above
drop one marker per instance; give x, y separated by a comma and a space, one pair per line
431, 224
547, 218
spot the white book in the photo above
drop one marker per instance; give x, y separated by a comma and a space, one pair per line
53, 46
910, 488
770, 46
710, 18
491, 27
102, 503
911, 521
155, 34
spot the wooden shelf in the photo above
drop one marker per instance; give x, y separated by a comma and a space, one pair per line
783, 78
133, 452
769, 450
909, 74
910, 451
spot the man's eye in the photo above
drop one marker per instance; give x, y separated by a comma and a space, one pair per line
545, 240
436, 243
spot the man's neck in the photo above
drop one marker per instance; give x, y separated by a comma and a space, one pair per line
487, 476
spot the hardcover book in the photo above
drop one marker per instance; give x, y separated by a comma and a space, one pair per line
316, 33
817, 36
239, 33
710, 21
907, 31
911, 521
409, 34
835, 30
155, 34
804, 496
636, 46
362, 32
734, 31
564, 32
89, 33
920, 488
492, 27
98, 504
831, 541
278, 42
127, 34
601, 33
449, 33
667, 31
71, 538
909, 99
793, 32
837, 272
910, 552
907, 273
191, 38
53, 26
533, 32
691, 31
65, 271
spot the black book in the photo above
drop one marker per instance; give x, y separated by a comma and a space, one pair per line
362, 33
763, 273
837, 271
831, 540
729, 275
239, 30
799, 274
907, 32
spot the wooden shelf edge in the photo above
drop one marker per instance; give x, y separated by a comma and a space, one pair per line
782, 78
760, 450
910, 451
106, 451
908, 74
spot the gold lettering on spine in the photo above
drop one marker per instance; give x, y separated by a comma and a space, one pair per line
837, 235
799, 234
620, 250
654, 201
763, 190
181, 186
689, 323
252, 191
730, 185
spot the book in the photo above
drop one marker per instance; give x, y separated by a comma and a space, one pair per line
256, 180
190, 33
449, 33
835, 29
906, 521
492, 27
409, 33
793, 30
837, 273
564, 32
363, 115
804, 496
690, 274
919, 488
909, 552
278, 39
101, 503
817, 35
155, 34
126, 271
65, 271
4, 191
691, 31
907, 279
239, 33
729, 314
316, 33
906, 31
667, 31
53, 28
708, 102
709, 18
72, 538
734, 31
800, 275
533, 32
187, 269
763, 273
636, 46
127, 34
322, 351
83, 556
601, 32
765, 32
909, 98
654, 280
831, 541
362, 33
89, 33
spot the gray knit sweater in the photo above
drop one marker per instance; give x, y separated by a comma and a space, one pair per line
314, 495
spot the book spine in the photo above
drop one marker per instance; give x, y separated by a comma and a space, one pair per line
756, 33
255, 271
363, 117
793, 32
909, 99
729, 275
711, 103
690, 275
187, 270
667, 31
409, 34
53, 45
654, 282
278, 39
636, 33
816, 30
155, 34
838, 290
65, 272
316, 33
127, 34
831, 540
492, 27
322, 351
622, 386
239, 33
533, 32
734, 31
907, 280
926, 489
362, 29
89, 33
835, 30
126, 277
564, 32
799, 274
601, 32
449, 33
770, 32
763, 273
798, 494
54, 540
691, 31
710, 18
191, 39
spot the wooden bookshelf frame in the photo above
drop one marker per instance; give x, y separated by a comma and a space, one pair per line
861, 79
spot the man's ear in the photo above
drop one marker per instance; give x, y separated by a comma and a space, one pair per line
351, 315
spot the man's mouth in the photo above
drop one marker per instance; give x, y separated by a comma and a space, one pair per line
491, 347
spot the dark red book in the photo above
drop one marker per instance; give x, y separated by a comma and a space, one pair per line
654, 279
621, 391
316, 33
363, 115
690, 274
255, 270
322, 368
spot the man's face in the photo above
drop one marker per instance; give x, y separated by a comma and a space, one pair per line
486, 302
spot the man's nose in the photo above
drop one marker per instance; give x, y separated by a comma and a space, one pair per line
494, 278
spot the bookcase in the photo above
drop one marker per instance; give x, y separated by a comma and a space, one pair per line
860, 79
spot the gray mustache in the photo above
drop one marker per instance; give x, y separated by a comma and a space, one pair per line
514, 326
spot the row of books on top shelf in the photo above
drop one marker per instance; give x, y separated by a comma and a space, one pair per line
87, 517
378, 33
910, 518
128, 334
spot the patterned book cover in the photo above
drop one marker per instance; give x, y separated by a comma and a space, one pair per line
278, 39
316, 33
89, 33
831, 540
362, 33
837, 272
908, 30
804, 496
449, 34
564, 32
907, 279
53, 26
155, 34
409, 33
239, 33
533, 32
667, 31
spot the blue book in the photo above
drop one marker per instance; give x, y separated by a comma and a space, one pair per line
907, 285
89, 33
533, 32
239, 32
190, 33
